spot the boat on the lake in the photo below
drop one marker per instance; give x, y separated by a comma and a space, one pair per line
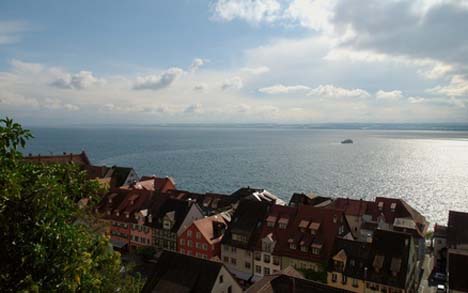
347, 141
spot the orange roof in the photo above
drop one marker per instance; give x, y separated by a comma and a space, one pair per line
79, 159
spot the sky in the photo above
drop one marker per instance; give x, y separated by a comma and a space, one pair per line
233, 61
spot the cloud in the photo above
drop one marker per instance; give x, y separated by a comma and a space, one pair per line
416, 100
56, 104
196, 64
157, 82
232, 83
81, 80
10, 31
331, 91
26, 67
315, 14
388, 96
200, 87
253, 12
194, 108
282, 89
458, 86
256, 70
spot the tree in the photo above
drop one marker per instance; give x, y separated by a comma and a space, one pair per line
46, 240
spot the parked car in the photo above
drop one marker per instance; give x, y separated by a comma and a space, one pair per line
441, 289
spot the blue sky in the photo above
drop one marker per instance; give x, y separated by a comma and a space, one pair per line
287, 61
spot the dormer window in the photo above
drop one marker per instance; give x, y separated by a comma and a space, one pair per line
283, 223
380, 205
304, 248
393, 207
292, 245
127, 215
167, 224
108, 212
117, 213
316, 248
303, 225
238, 237
271, 221
314, 227
150, 218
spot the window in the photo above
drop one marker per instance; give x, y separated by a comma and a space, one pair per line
225, 248
276, 260
226, 259
258, 269
266, 271
198, 235
270, 224
182, 251
189, 233
233, 249
292, 246
316, 250
266, 258
240, 238
355, 283
204, 246
182, 241
282, 225
334, 278
303, 248
258, 255
229, 290
233, 261
189, 252
343, 279
189, 243
221, 279
247, 265
198, 245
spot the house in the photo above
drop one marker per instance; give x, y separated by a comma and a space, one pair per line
120, 176
203, 237
166, 216
439, 245
257, 194
290, 281
349, 264
310, 199
457, 253
176, 272
241, 237
210, 203
275, 227
80, 159
126, 211
392, 265
309, 241
158, 184
354, 211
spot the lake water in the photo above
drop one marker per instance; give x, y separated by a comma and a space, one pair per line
429, 169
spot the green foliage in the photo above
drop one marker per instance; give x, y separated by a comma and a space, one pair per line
146, 252
47, 242
320, 276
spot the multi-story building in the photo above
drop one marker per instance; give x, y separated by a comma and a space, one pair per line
275, 227
309, 241
457, 251
176, 272
203, 237
239, 241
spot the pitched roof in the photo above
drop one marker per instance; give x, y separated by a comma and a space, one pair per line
312, 199
457, 229
257, 195
389, 257
176, 272
247, 222
162, 206
277, 214
328, 222
118, 174
457, 264
351, 207
124, 204
357, 257
155, 183
79, 159
208, 226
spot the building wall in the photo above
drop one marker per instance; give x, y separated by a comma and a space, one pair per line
227, 282
132, 176
351, 284
300, 264
377, 288
191, 242
165, 239
264, 267
120, 231
140, 235
237, 260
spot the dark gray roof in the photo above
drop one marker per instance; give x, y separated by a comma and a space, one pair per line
457, 265
160, 206
457, 229
176, 272
288, 284
357, 257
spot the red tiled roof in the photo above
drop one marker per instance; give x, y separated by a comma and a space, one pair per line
79, 159
351, 207
206, 227
330, 221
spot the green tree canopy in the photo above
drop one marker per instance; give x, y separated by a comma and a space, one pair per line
47, 242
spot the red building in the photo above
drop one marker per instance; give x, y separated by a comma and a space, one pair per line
203, 238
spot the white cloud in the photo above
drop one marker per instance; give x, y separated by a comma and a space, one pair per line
157, 82
416, 100
26, 67
331, 91
232, 83
313, 14
56, 104
458, 86
251, 11
194, 108
81, 80
282, 89
200, 87
197, 63
256, 70
389, 96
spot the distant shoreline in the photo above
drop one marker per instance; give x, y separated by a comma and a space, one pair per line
318, 126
